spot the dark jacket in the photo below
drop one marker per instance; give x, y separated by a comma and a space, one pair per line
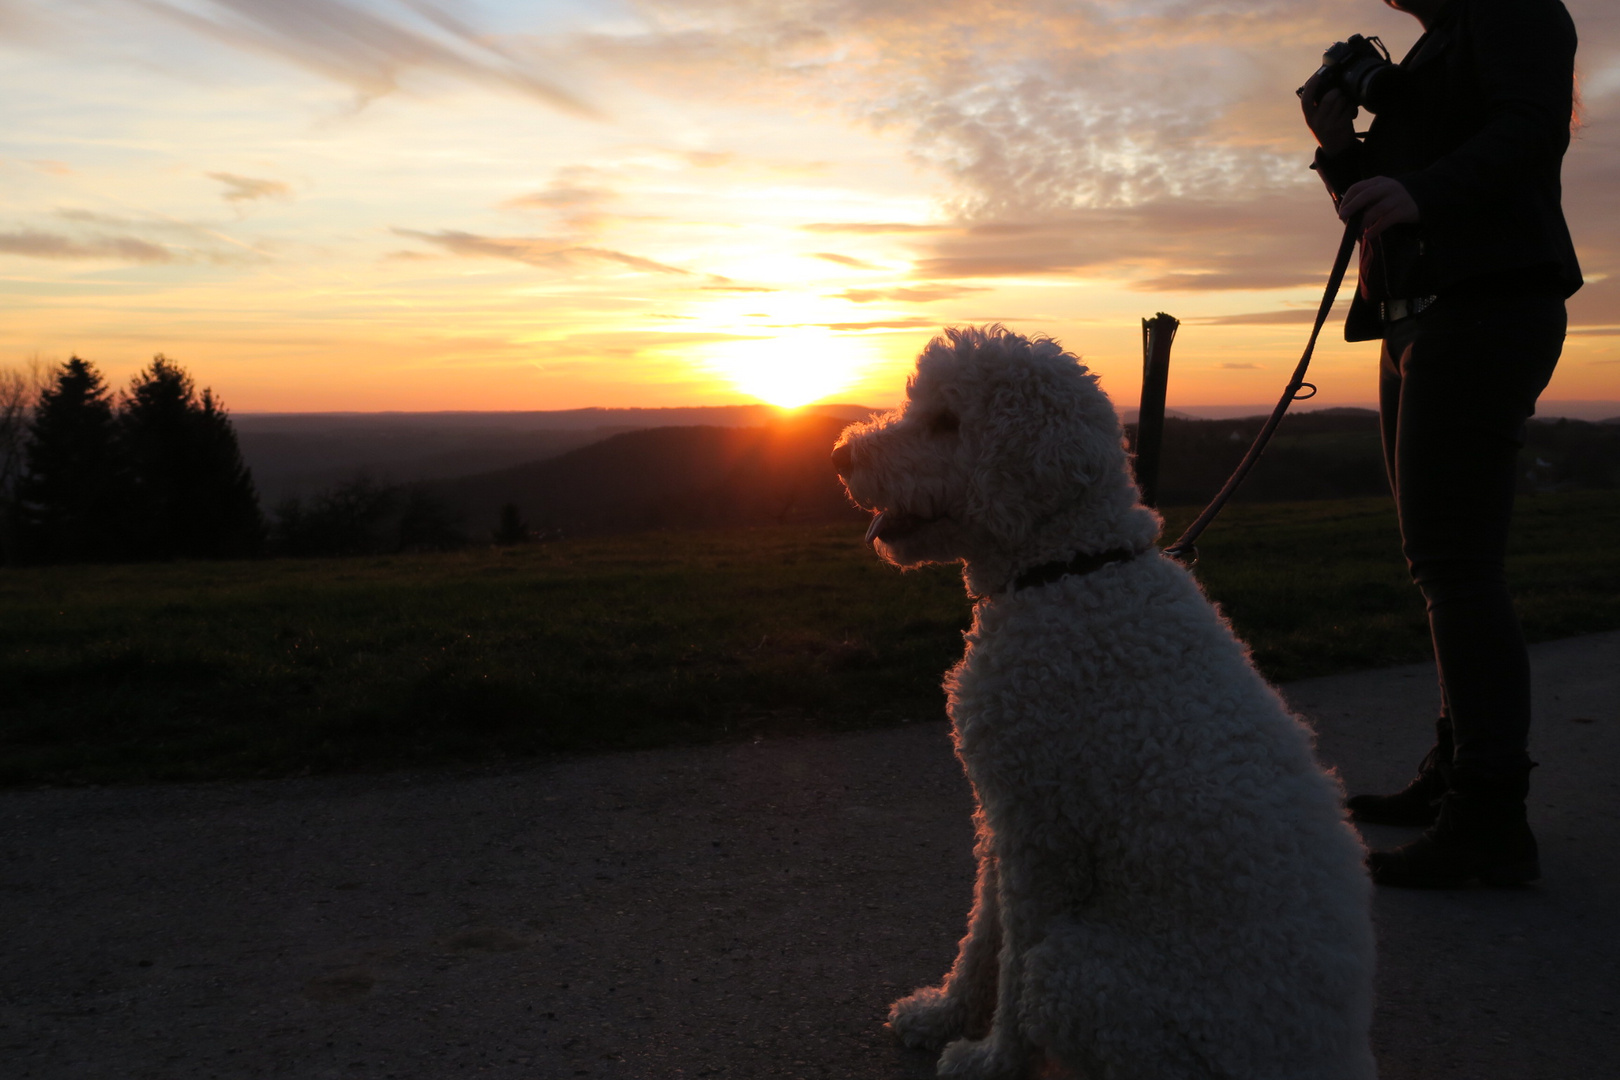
1477, 135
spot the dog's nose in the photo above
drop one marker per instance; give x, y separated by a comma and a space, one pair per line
843, 459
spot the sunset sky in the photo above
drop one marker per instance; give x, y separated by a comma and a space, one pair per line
424, 204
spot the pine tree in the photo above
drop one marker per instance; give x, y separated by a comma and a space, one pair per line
69, 493
190, 493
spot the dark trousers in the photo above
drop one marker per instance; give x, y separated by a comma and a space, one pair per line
1456, 385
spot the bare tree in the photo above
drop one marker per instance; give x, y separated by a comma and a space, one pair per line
20, 387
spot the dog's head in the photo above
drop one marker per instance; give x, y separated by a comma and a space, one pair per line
1005, 450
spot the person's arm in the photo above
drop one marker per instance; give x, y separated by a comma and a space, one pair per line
1524, 55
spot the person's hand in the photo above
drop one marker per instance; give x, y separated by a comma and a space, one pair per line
1381, 202
1332, 119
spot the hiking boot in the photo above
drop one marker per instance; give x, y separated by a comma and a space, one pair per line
1481, 833
1419, 802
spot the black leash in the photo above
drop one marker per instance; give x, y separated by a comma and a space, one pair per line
1183, 549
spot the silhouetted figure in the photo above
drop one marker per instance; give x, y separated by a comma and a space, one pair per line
190, 495
69, 495
1466, 263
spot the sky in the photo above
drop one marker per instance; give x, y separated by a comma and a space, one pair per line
319, 205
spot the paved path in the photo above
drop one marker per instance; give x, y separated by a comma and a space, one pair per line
741, 911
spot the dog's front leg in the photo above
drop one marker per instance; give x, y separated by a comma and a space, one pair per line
965, 1003
1027, 901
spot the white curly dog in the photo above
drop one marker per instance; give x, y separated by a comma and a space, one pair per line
1167, 887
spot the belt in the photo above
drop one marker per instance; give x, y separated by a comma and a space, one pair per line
1396, 310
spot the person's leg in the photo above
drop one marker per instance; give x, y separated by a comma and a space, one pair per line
1419, 802
1469, 380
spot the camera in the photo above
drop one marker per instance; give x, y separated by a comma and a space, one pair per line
1360, 69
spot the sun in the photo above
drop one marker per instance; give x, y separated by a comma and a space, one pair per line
792, 368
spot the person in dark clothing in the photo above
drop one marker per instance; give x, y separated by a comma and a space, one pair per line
1466, 262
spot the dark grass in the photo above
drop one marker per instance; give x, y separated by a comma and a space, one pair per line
204, 670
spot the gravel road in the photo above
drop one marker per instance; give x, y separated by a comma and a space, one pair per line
739, 911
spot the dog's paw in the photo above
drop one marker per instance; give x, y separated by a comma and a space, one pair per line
982, 1059
929, 1019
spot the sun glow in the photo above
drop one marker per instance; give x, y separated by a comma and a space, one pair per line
789, 351
792, 369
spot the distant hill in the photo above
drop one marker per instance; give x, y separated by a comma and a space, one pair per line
711, 476
1337, 453
1326, 454
299, 453
669, 477
1546, 409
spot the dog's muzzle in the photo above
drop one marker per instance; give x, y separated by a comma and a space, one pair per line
843, 459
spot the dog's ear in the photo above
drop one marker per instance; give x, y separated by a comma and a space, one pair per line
1044, 432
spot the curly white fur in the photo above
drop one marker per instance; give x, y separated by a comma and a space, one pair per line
1167, 887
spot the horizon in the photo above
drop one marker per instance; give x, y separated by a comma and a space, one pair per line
392, 206
1574, 409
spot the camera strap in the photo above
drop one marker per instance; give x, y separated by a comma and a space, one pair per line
1183, 550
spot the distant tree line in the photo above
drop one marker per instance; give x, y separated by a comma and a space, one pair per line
151, 473
363, 517
155, 472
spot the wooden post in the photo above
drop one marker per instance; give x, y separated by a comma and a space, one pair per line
1157, 334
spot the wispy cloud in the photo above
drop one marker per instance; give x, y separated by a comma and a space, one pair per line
37, 244
186, 241
535, 251
910, 323
1163, 245
370, 50
248, 188
92, 235
871, 228
901, 294
1283, 317
561, 196
843, 260
578, 196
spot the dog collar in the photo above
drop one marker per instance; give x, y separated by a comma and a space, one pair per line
1046, 573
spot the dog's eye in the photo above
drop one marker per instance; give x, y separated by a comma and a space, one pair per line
945, 423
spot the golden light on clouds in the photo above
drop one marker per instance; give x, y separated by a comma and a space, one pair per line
413, 204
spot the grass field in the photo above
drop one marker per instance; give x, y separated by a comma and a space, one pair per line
198, 670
